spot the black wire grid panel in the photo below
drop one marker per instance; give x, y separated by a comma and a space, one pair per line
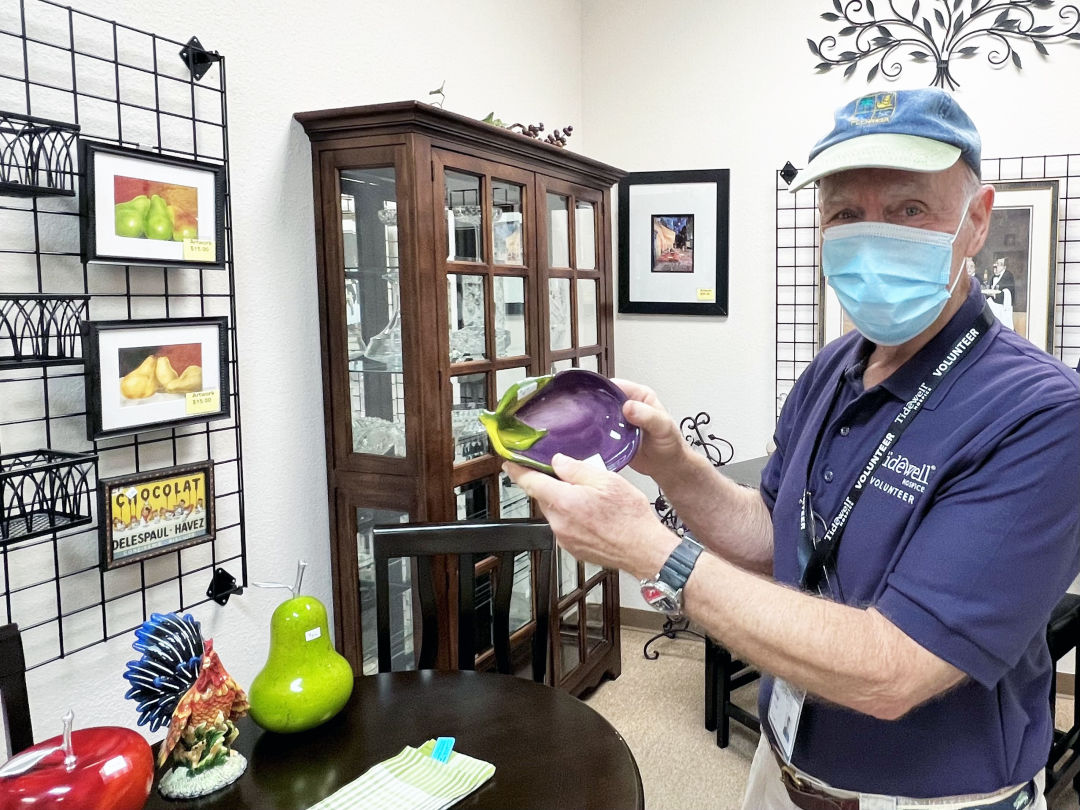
799, 286
118, 85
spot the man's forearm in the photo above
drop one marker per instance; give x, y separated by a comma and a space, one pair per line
727, 518
846, 655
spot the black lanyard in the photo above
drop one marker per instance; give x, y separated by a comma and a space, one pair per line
817, 554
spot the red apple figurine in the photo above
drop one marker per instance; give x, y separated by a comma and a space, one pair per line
100, 768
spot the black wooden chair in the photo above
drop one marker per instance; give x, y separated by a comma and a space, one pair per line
18, 728
723, 675
470, 543
1062, 635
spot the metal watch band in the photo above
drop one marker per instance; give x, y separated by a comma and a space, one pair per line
681, 562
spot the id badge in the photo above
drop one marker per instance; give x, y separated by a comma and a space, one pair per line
785, 707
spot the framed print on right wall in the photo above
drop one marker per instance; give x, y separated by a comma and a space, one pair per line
1017, 265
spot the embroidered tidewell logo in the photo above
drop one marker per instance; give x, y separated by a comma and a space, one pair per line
914, 478
876, 108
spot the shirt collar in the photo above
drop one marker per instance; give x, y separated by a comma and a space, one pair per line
904, 382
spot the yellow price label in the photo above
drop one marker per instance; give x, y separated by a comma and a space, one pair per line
203, 402
199, 250
706, 294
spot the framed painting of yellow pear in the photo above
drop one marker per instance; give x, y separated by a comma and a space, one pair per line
151, 374
150, 513
145, 208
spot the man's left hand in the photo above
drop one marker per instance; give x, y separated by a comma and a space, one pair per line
598, 516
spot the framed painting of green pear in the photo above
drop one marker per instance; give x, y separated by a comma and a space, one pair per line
145, 208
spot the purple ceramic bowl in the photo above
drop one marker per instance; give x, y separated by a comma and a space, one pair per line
582, 413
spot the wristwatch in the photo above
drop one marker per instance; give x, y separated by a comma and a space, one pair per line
665, 591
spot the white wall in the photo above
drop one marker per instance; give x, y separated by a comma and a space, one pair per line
707, 84
283, 57
647, 85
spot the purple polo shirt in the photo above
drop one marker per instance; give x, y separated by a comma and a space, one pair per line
966, 538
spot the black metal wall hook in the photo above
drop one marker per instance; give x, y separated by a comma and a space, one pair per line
197, 58
222, 586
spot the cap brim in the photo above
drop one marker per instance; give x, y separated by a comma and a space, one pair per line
884, 150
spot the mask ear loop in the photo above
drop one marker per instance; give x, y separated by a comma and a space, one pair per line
955, 236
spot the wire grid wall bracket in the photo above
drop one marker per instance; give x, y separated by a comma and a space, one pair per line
118, 85
798, 291
799, 286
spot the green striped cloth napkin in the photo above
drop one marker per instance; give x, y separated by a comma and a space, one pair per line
412, 780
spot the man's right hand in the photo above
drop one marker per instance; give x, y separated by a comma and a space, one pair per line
663, 446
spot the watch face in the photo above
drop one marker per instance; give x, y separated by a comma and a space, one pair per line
659, 595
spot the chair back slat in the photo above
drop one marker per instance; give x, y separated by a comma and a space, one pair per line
18, 727
470, 542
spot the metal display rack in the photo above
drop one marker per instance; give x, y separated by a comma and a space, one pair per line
798, 279
117, 85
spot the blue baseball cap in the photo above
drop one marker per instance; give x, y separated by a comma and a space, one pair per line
920, 130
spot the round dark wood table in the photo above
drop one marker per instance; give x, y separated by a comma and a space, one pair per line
549, 749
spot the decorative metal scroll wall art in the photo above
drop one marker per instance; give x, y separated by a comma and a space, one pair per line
939, 32
131, 93
719, 452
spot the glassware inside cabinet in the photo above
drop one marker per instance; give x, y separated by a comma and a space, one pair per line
509, 316
558, 231
469, 397
513, 502
594, 617
401, 613
369, 238
465, 302
507, 231
464, 218
586, 312
559, 312
472, 500
585, 235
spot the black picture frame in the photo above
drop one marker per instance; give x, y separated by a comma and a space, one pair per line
648, 197
195, 212
151, 513
118, 404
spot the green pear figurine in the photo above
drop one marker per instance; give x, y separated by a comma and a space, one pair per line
305, 681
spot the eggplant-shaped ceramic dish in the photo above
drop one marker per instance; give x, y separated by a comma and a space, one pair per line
575, 412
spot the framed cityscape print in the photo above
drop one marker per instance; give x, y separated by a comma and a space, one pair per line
673, 242
151, 374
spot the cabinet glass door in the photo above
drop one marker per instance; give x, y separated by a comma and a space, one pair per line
401, 602
576, 295
369, 239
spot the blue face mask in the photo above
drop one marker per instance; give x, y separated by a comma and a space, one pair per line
892, 280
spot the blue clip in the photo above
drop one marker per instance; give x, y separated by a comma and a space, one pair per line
443, 747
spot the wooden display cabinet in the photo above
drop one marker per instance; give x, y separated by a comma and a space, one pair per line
454, 258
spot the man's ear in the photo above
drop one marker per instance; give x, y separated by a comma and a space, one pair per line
980, 208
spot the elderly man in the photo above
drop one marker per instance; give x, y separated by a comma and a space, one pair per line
914, 528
